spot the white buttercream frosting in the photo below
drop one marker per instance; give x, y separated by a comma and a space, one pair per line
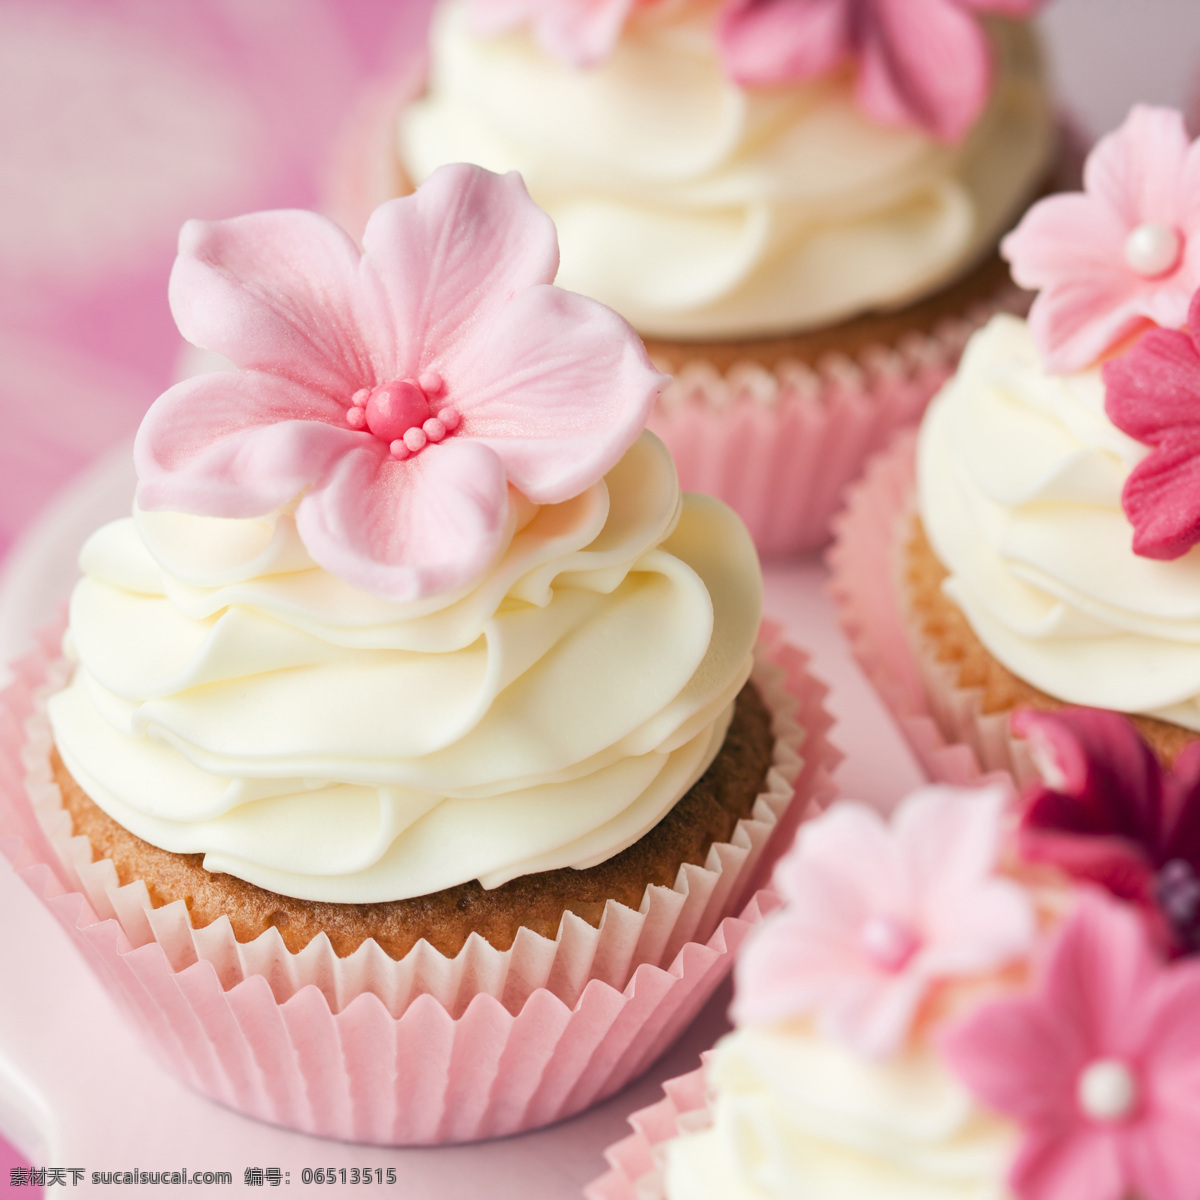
795, 1115
699, 209
1019, 489
234, 699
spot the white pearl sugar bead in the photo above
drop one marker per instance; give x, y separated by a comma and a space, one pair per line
1106, 1090
415, 438
1153, 248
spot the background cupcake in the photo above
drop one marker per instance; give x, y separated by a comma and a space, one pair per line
1052, 559
349, 728
801, 226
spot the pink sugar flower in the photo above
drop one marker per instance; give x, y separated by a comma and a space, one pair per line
919, 62
399, 392
580, 32
1122, 254
1107, 812
876, 913
1153, 394
1100, 1065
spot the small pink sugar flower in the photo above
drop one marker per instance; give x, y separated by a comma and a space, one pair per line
1153, 394
580, 32
398, 393
877, 913
1100, 1065
1122, 254
918, 62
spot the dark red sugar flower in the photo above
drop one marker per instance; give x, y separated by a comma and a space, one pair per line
1106, 811
1153, 394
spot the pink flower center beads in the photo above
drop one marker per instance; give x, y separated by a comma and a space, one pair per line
888, 943
1153, 249
1107, 1090
400, 414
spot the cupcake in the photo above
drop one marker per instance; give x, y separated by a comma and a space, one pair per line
414, 731
987, 1012
798, 211
1049, 560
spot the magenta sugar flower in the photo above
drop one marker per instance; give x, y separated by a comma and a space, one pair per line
1100, 1065
878, 912
1153, 394
1122, 254
1108, 813
917, 62
396, 393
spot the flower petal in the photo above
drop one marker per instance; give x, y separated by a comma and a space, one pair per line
1161, 498
1077, 320
1182, 806
925, 62
1137, 170
237, 444
1011, 1055
450, 254
951, 836
1154, 390
579, 32
768, 42
405, 530
1068, 1163
278, 292
1107, 781
557, 386
1098, 975
1009, 8
582, 33
1067, 236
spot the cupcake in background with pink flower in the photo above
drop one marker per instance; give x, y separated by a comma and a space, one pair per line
971, 1001
1045, 526
797, 204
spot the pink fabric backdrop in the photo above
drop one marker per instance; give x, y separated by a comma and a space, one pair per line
118, 120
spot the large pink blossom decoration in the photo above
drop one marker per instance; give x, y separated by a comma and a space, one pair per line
1153, 394
398, 392
580, 32
918, 62
877, 913
1121, 255
1106, 811
1100, 1065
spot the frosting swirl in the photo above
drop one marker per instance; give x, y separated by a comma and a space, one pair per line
795, 1114
699, 209
1019, 488
235, 699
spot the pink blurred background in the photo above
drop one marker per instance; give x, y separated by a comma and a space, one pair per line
121, 118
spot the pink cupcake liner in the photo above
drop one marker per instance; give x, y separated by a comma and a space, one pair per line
636, 1162
954, 739
781, 446
428, 1050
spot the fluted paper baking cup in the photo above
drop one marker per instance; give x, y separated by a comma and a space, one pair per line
428, 1049
780, 446
954, 739
636, 1162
